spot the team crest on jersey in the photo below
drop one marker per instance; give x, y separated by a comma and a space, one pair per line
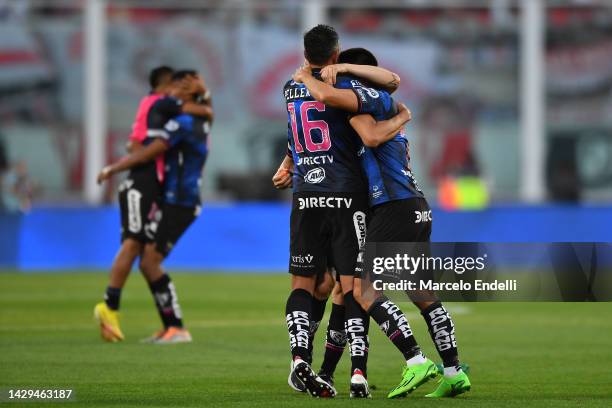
172, 125
315, 176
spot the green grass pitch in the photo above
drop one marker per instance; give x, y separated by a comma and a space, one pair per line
521, 354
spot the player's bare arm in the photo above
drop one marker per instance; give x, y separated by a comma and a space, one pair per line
132, 145
140, 156
344, 99
373, 133
389, 81
199, 109
283, 178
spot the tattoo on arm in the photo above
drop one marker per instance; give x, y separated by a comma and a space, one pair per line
394, 83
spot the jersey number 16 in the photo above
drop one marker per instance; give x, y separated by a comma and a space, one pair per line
308, 126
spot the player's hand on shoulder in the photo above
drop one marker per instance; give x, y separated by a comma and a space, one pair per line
301, 73
330, 72
403, 110
282, 179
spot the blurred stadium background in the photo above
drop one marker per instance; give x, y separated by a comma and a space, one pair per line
511, 137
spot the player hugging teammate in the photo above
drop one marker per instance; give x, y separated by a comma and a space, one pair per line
346, 141
160, 198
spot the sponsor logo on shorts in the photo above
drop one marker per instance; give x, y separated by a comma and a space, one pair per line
359, 221
302, 261
422, 216
315, 176
324, 202
134, 218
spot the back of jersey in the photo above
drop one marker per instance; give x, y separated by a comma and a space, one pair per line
185, 159
323, 144
387, 166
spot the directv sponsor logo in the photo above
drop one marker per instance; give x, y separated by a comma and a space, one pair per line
315, 176
325, 202
315, 161
422, 216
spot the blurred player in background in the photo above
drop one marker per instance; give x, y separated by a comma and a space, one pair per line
140, 195
399, 213
328, 213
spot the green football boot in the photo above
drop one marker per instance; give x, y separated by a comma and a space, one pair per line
450, 387
413, 377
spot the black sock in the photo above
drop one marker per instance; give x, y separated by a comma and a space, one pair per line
393, 322
166, 301
297, 311
335, 340
357, 326
112, 296
316, 315
442, 331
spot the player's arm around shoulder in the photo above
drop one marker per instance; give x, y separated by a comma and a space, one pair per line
140, 156
378, 76
344, 99
373, 133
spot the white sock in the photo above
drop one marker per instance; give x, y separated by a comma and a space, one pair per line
451, 371
416, 360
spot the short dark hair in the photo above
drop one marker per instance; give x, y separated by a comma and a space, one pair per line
320, 43
184, 73
357, 56
157, 75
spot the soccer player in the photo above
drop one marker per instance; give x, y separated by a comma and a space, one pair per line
394, 198
328, 211
139, 196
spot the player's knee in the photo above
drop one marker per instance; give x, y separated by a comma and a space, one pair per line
360, 296
337, 295
325, 287
131, 248
145, 264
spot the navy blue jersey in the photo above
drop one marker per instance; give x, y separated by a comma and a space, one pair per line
155, 118
323, 144
187, 137
159, 114
387, 167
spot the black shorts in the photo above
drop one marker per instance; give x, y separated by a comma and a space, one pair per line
139, 197
326, 230
407, 220
171, 224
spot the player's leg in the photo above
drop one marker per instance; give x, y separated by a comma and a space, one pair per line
335, 337
386, 226
298, 316
439, 321
132, 211
323, 289
349, 232
174, 222
307, 260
